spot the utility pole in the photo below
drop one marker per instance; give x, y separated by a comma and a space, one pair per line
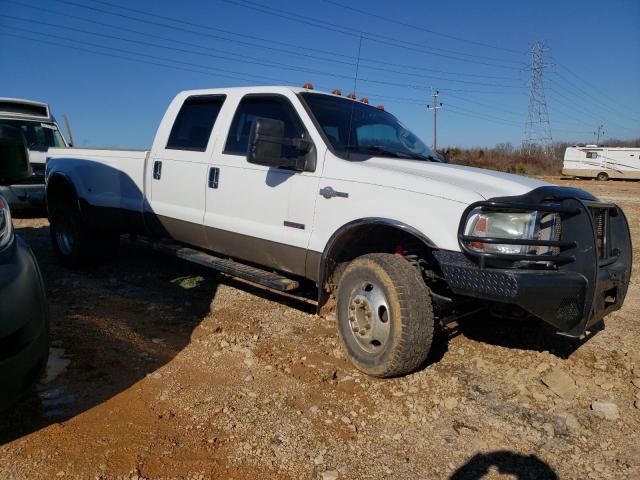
537, 129
435, 106
598, 133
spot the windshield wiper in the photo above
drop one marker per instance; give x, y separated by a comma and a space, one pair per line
386, 151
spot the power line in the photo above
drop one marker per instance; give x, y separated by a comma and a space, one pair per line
145, 55
579, 108
246, 78
431, 77
207, 27
240, 42
422, 29
247, 59
181, 50
377, 38
143, 60
597, 89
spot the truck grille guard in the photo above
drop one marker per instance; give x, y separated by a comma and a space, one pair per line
582, 277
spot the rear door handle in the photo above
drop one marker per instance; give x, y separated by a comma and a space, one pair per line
214, 177
157, 170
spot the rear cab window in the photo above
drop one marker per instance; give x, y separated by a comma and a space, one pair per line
194, 123
254, 106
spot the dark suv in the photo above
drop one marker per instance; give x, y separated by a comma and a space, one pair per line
24, 315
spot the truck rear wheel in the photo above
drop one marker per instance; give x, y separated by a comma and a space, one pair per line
385, 316
603, 176
70, 237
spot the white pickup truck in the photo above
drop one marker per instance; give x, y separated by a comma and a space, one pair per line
284, 186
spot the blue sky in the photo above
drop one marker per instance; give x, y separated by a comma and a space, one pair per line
476, 58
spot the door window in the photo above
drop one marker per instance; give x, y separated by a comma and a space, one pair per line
193, 125
264, 106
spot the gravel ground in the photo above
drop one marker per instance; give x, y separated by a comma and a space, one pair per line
162, 369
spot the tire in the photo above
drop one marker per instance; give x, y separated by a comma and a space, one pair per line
602, 177
70, 237
385, 316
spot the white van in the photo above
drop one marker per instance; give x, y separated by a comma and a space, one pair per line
602, 163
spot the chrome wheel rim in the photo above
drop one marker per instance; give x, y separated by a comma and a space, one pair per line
64, 238
369, 317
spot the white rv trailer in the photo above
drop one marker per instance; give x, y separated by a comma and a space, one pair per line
603, 163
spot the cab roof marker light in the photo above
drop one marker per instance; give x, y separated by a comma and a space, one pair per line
352, 96
308, 86
380, 107
364, 100
337, 91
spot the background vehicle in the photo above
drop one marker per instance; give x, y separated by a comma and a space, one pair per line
286, 185
602, 163
24, 315
41, 131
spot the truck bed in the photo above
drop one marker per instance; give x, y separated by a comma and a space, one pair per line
109, 177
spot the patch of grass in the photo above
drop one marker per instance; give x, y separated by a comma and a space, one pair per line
188, 281
504, 157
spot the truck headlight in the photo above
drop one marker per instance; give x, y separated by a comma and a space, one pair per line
6, 228
511, 226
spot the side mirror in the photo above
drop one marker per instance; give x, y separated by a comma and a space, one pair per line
266, 139
14, 156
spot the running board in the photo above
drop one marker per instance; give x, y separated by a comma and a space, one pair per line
225, 265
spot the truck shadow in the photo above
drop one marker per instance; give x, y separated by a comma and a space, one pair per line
515, 465
111, 325
527, 333
114, 323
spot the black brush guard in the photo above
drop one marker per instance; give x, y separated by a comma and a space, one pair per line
584, 277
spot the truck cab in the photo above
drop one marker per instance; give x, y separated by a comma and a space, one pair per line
41, 132
323, 188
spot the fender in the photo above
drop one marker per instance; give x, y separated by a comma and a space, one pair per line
329, 247
52, 175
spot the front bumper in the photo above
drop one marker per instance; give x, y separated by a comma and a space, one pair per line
577, 287
24, 323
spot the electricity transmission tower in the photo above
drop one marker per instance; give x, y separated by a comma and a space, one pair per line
598, 133
537, 129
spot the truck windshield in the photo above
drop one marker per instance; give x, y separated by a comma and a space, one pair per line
354, 126
40, 135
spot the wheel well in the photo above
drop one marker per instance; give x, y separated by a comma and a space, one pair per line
60, 191
360, 240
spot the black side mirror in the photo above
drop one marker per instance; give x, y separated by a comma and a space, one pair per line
14, 156
266, 140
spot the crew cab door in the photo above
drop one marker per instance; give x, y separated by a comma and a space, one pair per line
253, 212
177, 169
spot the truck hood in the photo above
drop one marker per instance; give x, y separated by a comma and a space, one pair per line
454, 182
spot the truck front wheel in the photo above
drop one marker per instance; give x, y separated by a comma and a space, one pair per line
385, 316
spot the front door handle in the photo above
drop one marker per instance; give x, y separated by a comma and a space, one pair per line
214, 177
329, 192
157, 170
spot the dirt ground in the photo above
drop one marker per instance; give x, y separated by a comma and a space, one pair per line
162, 369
